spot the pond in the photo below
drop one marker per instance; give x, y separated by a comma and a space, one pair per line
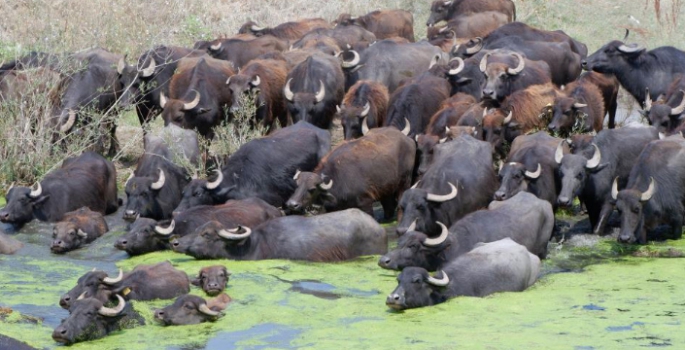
593, 294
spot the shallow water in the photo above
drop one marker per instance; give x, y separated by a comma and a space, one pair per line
593, 294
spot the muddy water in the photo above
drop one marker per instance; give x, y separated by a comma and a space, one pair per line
594, 293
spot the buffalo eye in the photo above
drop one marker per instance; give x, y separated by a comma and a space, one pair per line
89, 314
72, 233
310, 190
517, 176
664, 124
497, 131
416, 279
189, 306
579, 176
635, 210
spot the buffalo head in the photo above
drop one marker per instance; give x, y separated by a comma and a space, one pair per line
567, 112
67, 235
420, 209
354, 120
305, 105
514, 178
613, 58
203, 192
95, 284
417, 288
312, 188
574, 169
88, 319
425, 145
660, 114
243, 87
131, 79
415, 248
629, 203
141, 193
212, 279
21, 202
145, 236
499, 77
188, 309
440, 11
212, 241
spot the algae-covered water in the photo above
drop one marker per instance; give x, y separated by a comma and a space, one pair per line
594, 294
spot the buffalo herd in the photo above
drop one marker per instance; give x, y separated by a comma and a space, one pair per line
471, 140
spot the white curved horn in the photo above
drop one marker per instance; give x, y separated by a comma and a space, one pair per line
648, 101
82, 233
647, 195
216, 47
115, 280
444, 232
256, 81
459, 68
354, 62
596, 158
579, 105
559, 153
217, 182
287, 92
407, 127
160, 181
321, 94
534, 175
256, 28
129, 179
207, 311
121, 65
507, 120
192, 104
367, 108
484, 62
297, 174
681, 107
162, 100
439, 282
147, 72
520, 67
37, 192
443, 198
165, 231
112, 312
365, 126
232, 235
82, 296
70, 122
326, 186
614, 188
412, 226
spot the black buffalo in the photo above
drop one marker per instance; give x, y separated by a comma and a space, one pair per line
212, 279
524, 218
459, 180
192, 309
336, 236
88, 180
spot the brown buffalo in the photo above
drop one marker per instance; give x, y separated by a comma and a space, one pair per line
384, 24
192, 309
264, 80
285, 31
442, 10
212, 279
468, 26
520, 113
578, 108
198, 94
319, 42
504, 78
364, 107
449, 114
77, 228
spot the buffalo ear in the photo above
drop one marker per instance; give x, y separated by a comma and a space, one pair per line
195, 281
41, 200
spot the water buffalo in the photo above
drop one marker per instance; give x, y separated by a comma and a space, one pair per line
442, 10
192, 309
313, 88
531, 166
449, 113
522, 112
389, 63
144, 82
263, 168
88, 180
318, 42
503, 79
364, 107
344, 36
579, 108
89, 319
375, 167
336, 236
459, 180
472, 274
654, 194
666, 112
285, 31
239, 51
147, 235
198, 95
637, 69
145, 282
524, 218
589, 171
384, 24
264, 81
212, 279
92, 86
471, 25
154, 189
77, 228
9, 245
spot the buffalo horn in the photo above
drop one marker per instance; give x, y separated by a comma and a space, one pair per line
559, 153
681, 107
37, 192
447, 3
434, 61
70, 122
160, 181
256, 28
484, 62
500, 165
297, 174
82, 296
162, 100
407, 127
507, 120
416, 184
228, 81
337, 108
534, 175
365, 126
662, 136
256, 81
321, 93
112, 312
455, 48
648, 101
475, 48
165, 231
326, 186
207, 311
444, 232
146, 72
192, 104
412, 226
232, 235
443, 198
11, 186
579, 105
367, 108
596, 158
115, 280
627, 33
630, 49
217, 182
129, 179
445, 280
459, 68
519, 68
216, 47
354, 62
287, 92
443, 140
614, 189
81, 233
650, 191
121, 65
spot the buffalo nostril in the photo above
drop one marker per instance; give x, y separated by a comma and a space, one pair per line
551, 127
66, 298
124, 242
500, 196
396, 297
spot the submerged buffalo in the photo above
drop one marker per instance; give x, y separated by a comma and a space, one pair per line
212, 279
145, 282
192, 309
493, 267
78, 227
